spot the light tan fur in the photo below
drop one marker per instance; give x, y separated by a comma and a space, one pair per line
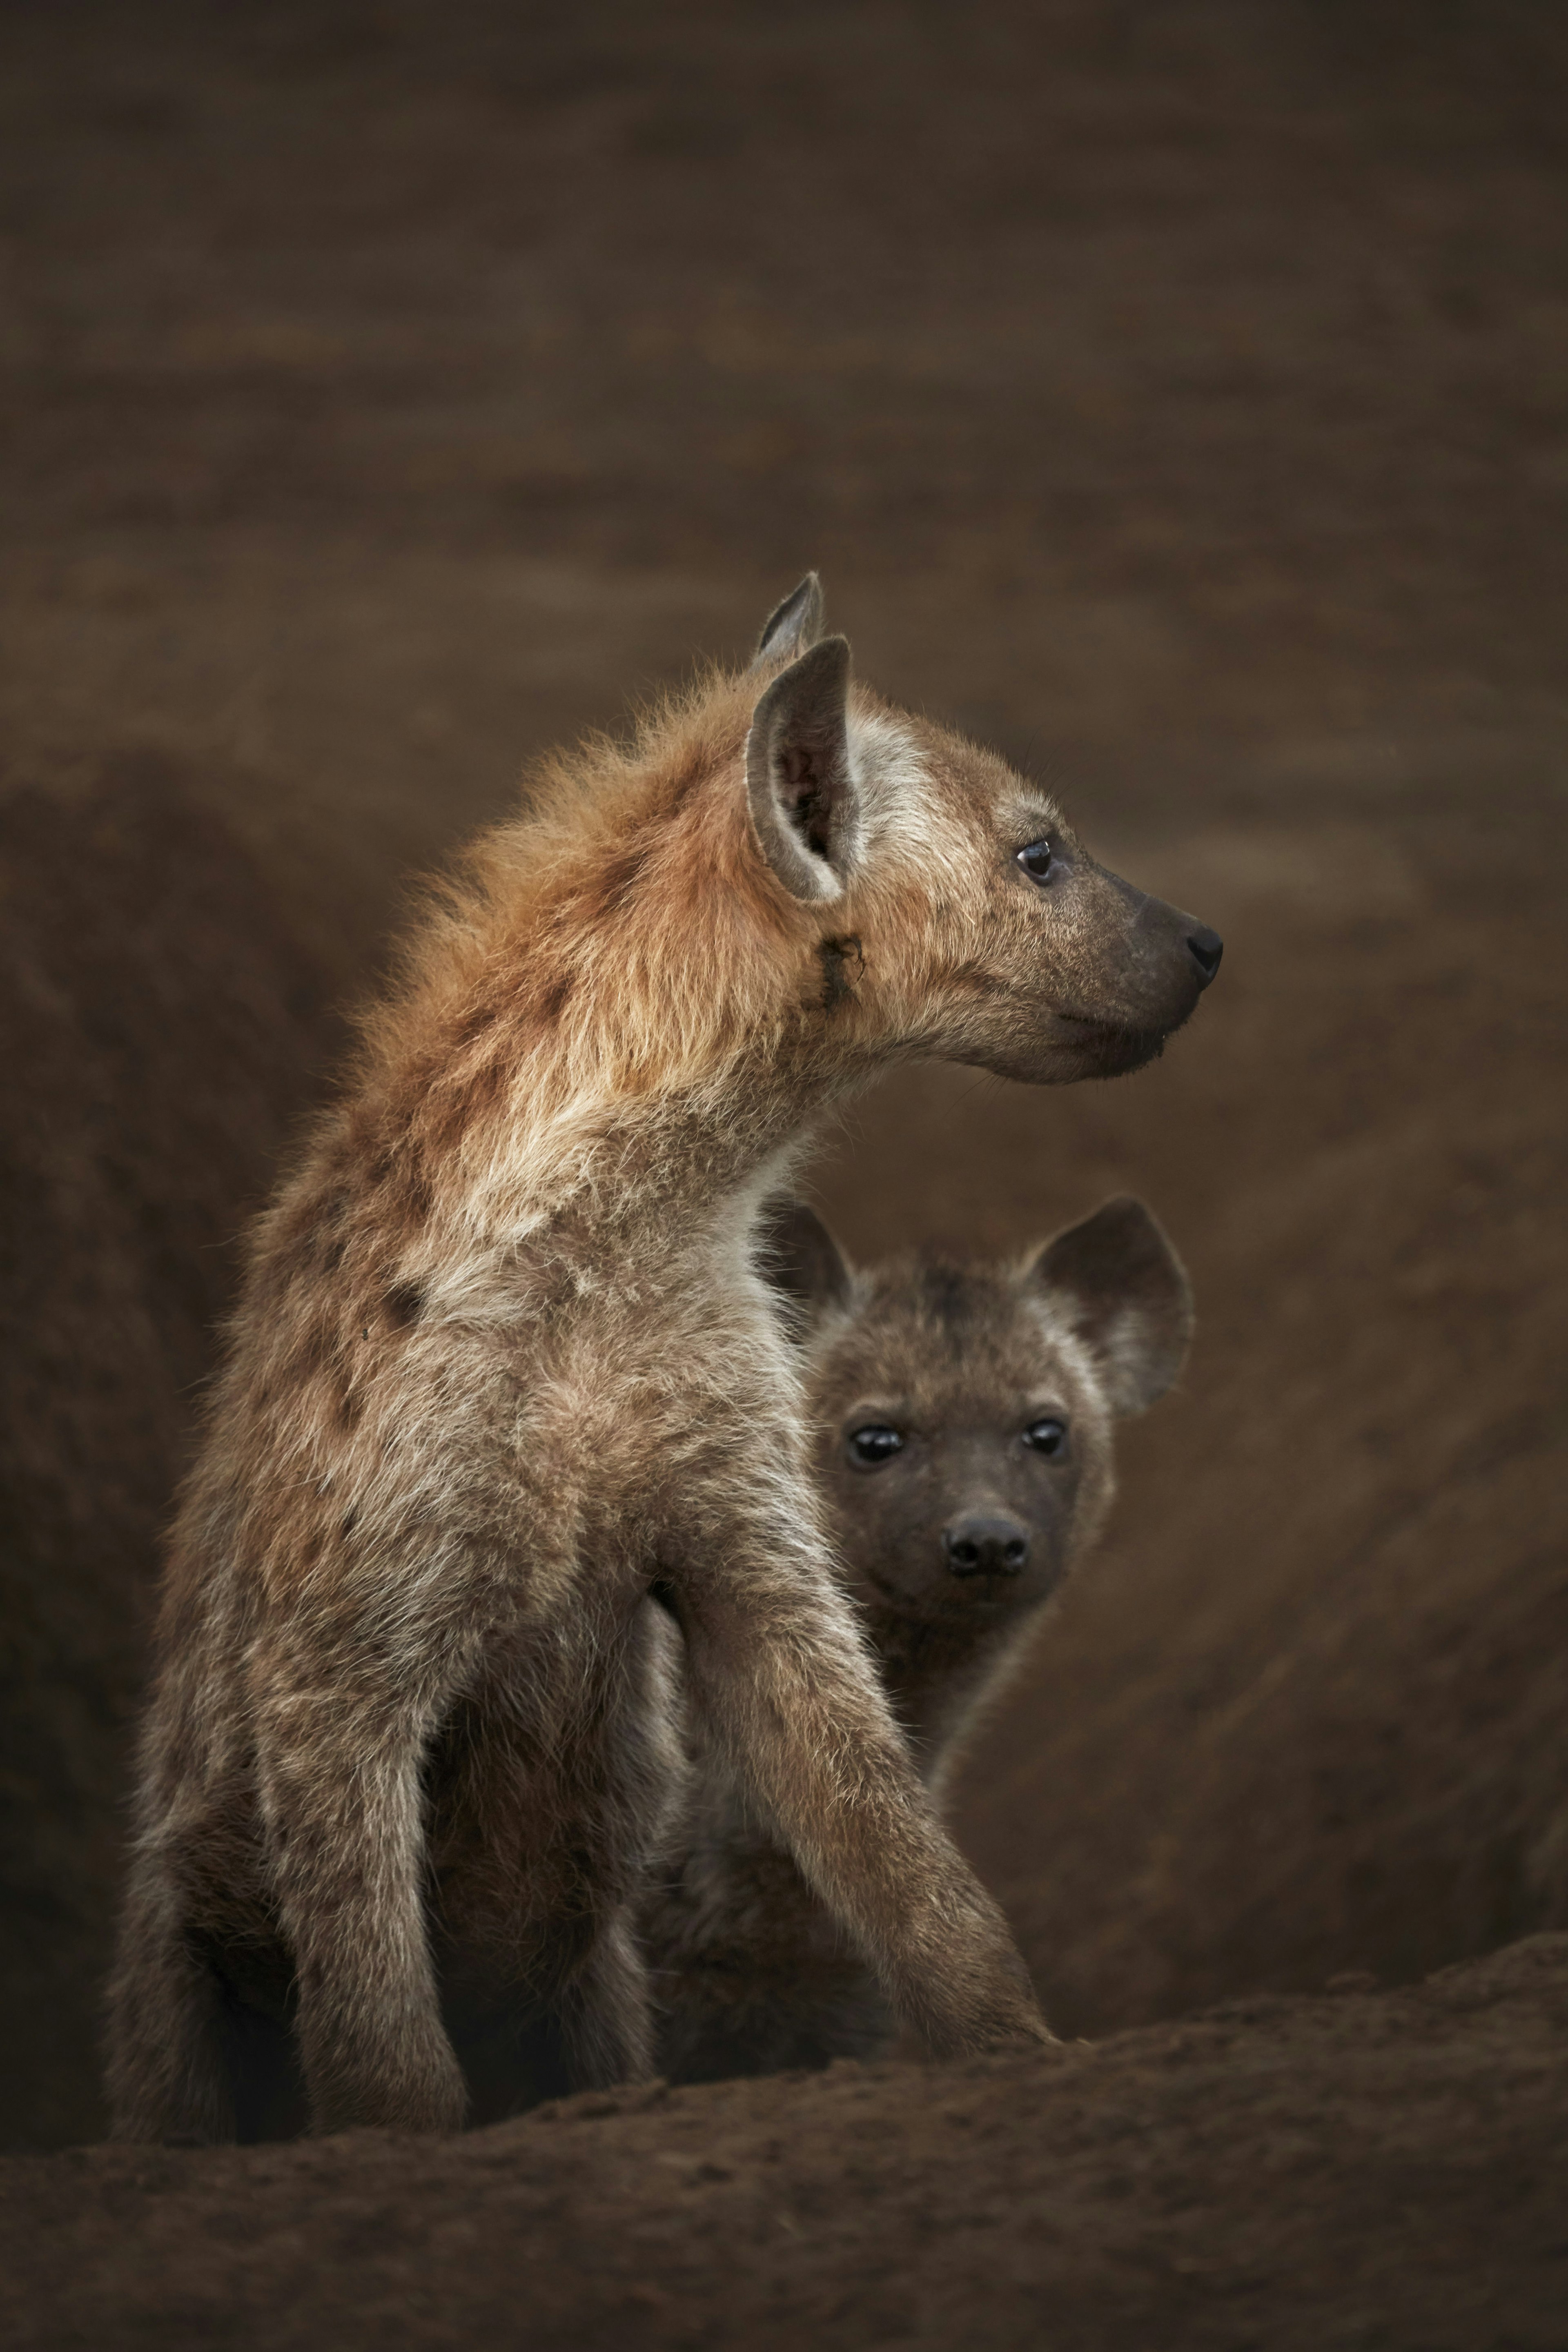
498, 1376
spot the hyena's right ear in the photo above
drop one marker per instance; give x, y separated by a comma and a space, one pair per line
795, 1253
798, 785
1125, 1294
792, 627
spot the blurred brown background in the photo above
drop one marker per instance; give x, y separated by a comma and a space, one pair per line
1176, 395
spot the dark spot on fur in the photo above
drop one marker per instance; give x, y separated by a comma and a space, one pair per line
473, 1024
612, 886
842, 965
350, 1409
554, 999
318, 1233
488, 1083
405, 1304
349, 1522
398, 1173
318, 1344
454, 1108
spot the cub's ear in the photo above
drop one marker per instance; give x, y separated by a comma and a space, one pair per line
798, 785
795, 1253
1126, 1296
793, 626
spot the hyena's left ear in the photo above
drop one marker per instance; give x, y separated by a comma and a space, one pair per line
1126, 1296
798, 784
795, 1253
792, 625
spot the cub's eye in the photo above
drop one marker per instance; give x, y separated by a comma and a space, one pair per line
875, 1444
1038, 861
1049, 1436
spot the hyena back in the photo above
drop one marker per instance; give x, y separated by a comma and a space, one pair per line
502, 1370
962, 1422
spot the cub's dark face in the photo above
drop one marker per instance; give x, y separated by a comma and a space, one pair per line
962, 1443
962, 1415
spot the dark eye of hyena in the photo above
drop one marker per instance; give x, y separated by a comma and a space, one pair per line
1037, 860
875, 1444
1047, 1435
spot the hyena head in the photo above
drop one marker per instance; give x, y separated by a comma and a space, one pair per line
959, 909
961, 1414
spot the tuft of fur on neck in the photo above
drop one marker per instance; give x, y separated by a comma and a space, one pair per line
609, 979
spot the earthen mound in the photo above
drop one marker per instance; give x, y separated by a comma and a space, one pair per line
159, 1032
1290, 2173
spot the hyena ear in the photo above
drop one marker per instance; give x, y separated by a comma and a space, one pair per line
1125, 1293
792, 627
798, 784
799, 1256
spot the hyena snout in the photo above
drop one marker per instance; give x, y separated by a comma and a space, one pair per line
985, 1544
1173, 958
1121, 971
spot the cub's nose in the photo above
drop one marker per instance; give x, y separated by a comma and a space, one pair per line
1206, 949
978, 1546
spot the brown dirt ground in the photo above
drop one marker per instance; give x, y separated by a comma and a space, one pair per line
1287, 2174
1180, 397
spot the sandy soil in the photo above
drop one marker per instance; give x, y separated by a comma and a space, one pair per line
1177, 396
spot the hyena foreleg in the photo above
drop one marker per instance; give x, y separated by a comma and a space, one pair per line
168, 2075
340, 1774
605, 2014
785, 1687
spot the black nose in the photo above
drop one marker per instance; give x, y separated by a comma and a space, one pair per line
1205, 948
987, 1546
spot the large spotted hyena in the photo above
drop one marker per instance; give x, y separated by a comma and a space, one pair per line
502, 1370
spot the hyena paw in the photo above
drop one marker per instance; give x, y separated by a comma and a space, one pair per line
411, 2090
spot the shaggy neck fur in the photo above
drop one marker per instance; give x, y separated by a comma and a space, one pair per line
617, 1012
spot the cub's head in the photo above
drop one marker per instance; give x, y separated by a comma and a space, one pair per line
963, 1415
955, 912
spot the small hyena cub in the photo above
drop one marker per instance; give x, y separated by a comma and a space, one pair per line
961, 1429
